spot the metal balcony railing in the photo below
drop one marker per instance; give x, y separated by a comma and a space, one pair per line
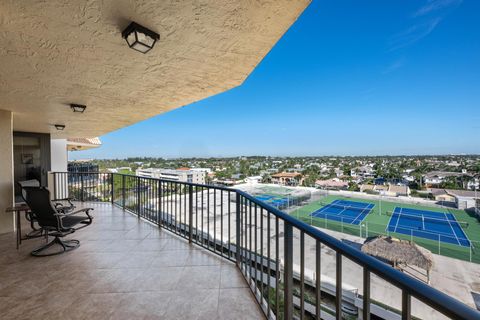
259, 239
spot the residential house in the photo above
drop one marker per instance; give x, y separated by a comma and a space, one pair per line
287, 178
334, 184
435, 178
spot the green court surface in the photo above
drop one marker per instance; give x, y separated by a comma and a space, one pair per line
377, 221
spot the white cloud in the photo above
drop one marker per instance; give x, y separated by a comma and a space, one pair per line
434, 5
397, 64
413, 34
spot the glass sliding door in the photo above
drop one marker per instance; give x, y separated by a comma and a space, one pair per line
31, 158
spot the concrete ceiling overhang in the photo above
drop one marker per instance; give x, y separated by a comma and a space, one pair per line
80, 144
58, 52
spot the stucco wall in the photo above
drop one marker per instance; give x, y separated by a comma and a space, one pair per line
58, 52
6, 170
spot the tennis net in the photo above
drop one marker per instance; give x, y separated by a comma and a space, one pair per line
338, 206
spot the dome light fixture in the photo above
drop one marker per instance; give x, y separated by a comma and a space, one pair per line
78, 107
59, 127
140, 38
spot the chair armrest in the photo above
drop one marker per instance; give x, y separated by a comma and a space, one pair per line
86, 210
62, 199
85, 221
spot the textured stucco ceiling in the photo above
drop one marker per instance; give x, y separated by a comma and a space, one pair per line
56, 52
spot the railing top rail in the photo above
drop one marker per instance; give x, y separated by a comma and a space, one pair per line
423, 292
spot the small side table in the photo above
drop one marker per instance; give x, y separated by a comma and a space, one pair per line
18, 224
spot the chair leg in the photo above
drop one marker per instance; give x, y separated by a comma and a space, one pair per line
66, 245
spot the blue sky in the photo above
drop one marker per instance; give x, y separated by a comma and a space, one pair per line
348, 78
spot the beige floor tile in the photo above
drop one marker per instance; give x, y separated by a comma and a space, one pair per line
197, 304
200, 277
236, 304
124, 268
231, 277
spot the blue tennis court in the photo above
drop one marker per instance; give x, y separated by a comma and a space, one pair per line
279, 202
264, 197
346, 211
429, 225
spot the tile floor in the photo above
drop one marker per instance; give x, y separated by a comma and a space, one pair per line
123, 269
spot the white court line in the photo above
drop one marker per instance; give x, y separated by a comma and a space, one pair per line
366, 208
452, 228
398, 220
325, 208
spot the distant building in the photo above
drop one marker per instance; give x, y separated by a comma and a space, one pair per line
206, 170
332, 184
397, 191
364, 172
225, 182
180, 174
442, 195
386, 190
435, 178
88, 170
338, 172
287, 178
464, 199
82, 166
119, 169
253, 179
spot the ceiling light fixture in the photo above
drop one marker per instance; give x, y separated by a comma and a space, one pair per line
78, 107
140, 38
59, 127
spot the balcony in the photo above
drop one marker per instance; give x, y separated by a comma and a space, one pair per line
291, 269
125, 268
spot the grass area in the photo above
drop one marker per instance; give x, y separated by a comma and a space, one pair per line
377, 221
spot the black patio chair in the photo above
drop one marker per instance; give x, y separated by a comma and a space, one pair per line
55, 222
28, 214
64, 205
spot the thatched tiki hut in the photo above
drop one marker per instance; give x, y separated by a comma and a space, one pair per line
399, 253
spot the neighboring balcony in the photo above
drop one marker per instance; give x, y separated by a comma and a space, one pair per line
208, 238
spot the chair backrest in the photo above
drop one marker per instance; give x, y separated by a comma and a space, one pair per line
27, 183
38, 199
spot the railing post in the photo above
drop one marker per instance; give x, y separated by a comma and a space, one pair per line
81, 187
406, 305
366, 294
190, 213
238, 228
111, 188
288, 266
55, 187
159, 204
138, 197
123, 191
338, 282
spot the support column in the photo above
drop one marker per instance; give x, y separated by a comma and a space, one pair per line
58, 184
6, 170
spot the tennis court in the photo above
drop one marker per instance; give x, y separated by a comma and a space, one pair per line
428, 224
345, 211
276, 201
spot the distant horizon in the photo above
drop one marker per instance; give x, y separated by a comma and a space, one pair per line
297, 156
378, 78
